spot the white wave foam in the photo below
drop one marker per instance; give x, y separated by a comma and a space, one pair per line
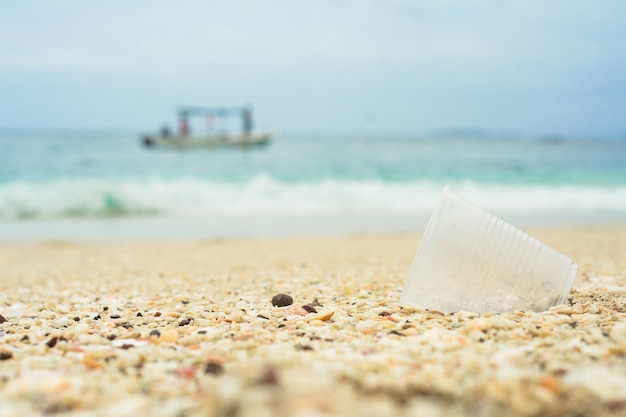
264, 195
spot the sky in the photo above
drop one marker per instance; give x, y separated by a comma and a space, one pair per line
537, 67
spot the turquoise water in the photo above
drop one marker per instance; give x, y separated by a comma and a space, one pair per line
293, 158
301, 182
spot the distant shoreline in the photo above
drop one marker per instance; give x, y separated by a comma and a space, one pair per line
444, 134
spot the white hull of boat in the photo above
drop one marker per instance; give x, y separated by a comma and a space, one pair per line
208, 141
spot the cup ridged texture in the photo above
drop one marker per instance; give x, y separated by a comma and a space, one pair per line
472, 260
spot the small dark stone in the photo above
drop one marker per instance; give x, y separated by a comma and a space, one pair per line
3, 319
384, 314
25, 339
126, 346
111, 337
139, 314
282, 300
309, 308
97, 317
213, 368
52, 342
115, 316
201, 331
62, 339
316, 303
185, 302
269, 377
615, 406
125, 325
261, 316
155, 333
396, 332
281, 325
55, 408
157, 314
76, 318
5, 356
105, 308
303, 347
184, 322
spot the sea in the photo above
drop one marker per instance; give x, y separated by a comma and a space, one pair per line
104, 185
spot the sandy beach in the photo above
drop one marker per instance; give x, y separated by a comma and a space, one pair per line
189, 329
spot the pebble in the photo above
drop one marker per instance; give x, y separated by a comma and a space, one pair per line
213, 368
309, 308
52, 342
321, 316
15, 311
294, 310
81, 328
282, 300
170, 336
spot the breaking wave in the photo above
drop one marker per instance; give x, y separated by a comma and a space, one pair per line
264, 195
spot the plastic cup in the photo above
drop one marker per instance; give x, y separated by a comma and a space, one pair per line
471, 260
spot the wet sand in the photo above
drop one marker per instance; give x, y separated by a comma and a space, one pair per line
188, 328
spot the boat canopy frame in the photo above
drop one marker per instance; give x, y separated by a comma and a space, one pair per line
245, 113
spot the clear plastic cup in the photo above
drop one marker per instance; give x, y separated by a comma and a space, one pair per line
471, 260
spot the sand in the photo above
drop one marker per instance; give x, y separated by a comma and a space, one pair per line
188, 329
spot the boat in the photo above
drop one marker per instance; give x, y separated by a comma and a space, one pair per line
185, 139
208, 141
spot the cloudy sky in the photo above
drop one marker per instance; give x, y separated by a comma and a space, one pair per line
332, 65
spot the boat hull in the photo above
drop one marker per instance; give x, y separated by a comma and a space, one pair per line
208, 141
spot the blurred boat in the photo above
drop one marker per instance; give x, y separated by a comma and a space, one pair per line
208, 141
184, 139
